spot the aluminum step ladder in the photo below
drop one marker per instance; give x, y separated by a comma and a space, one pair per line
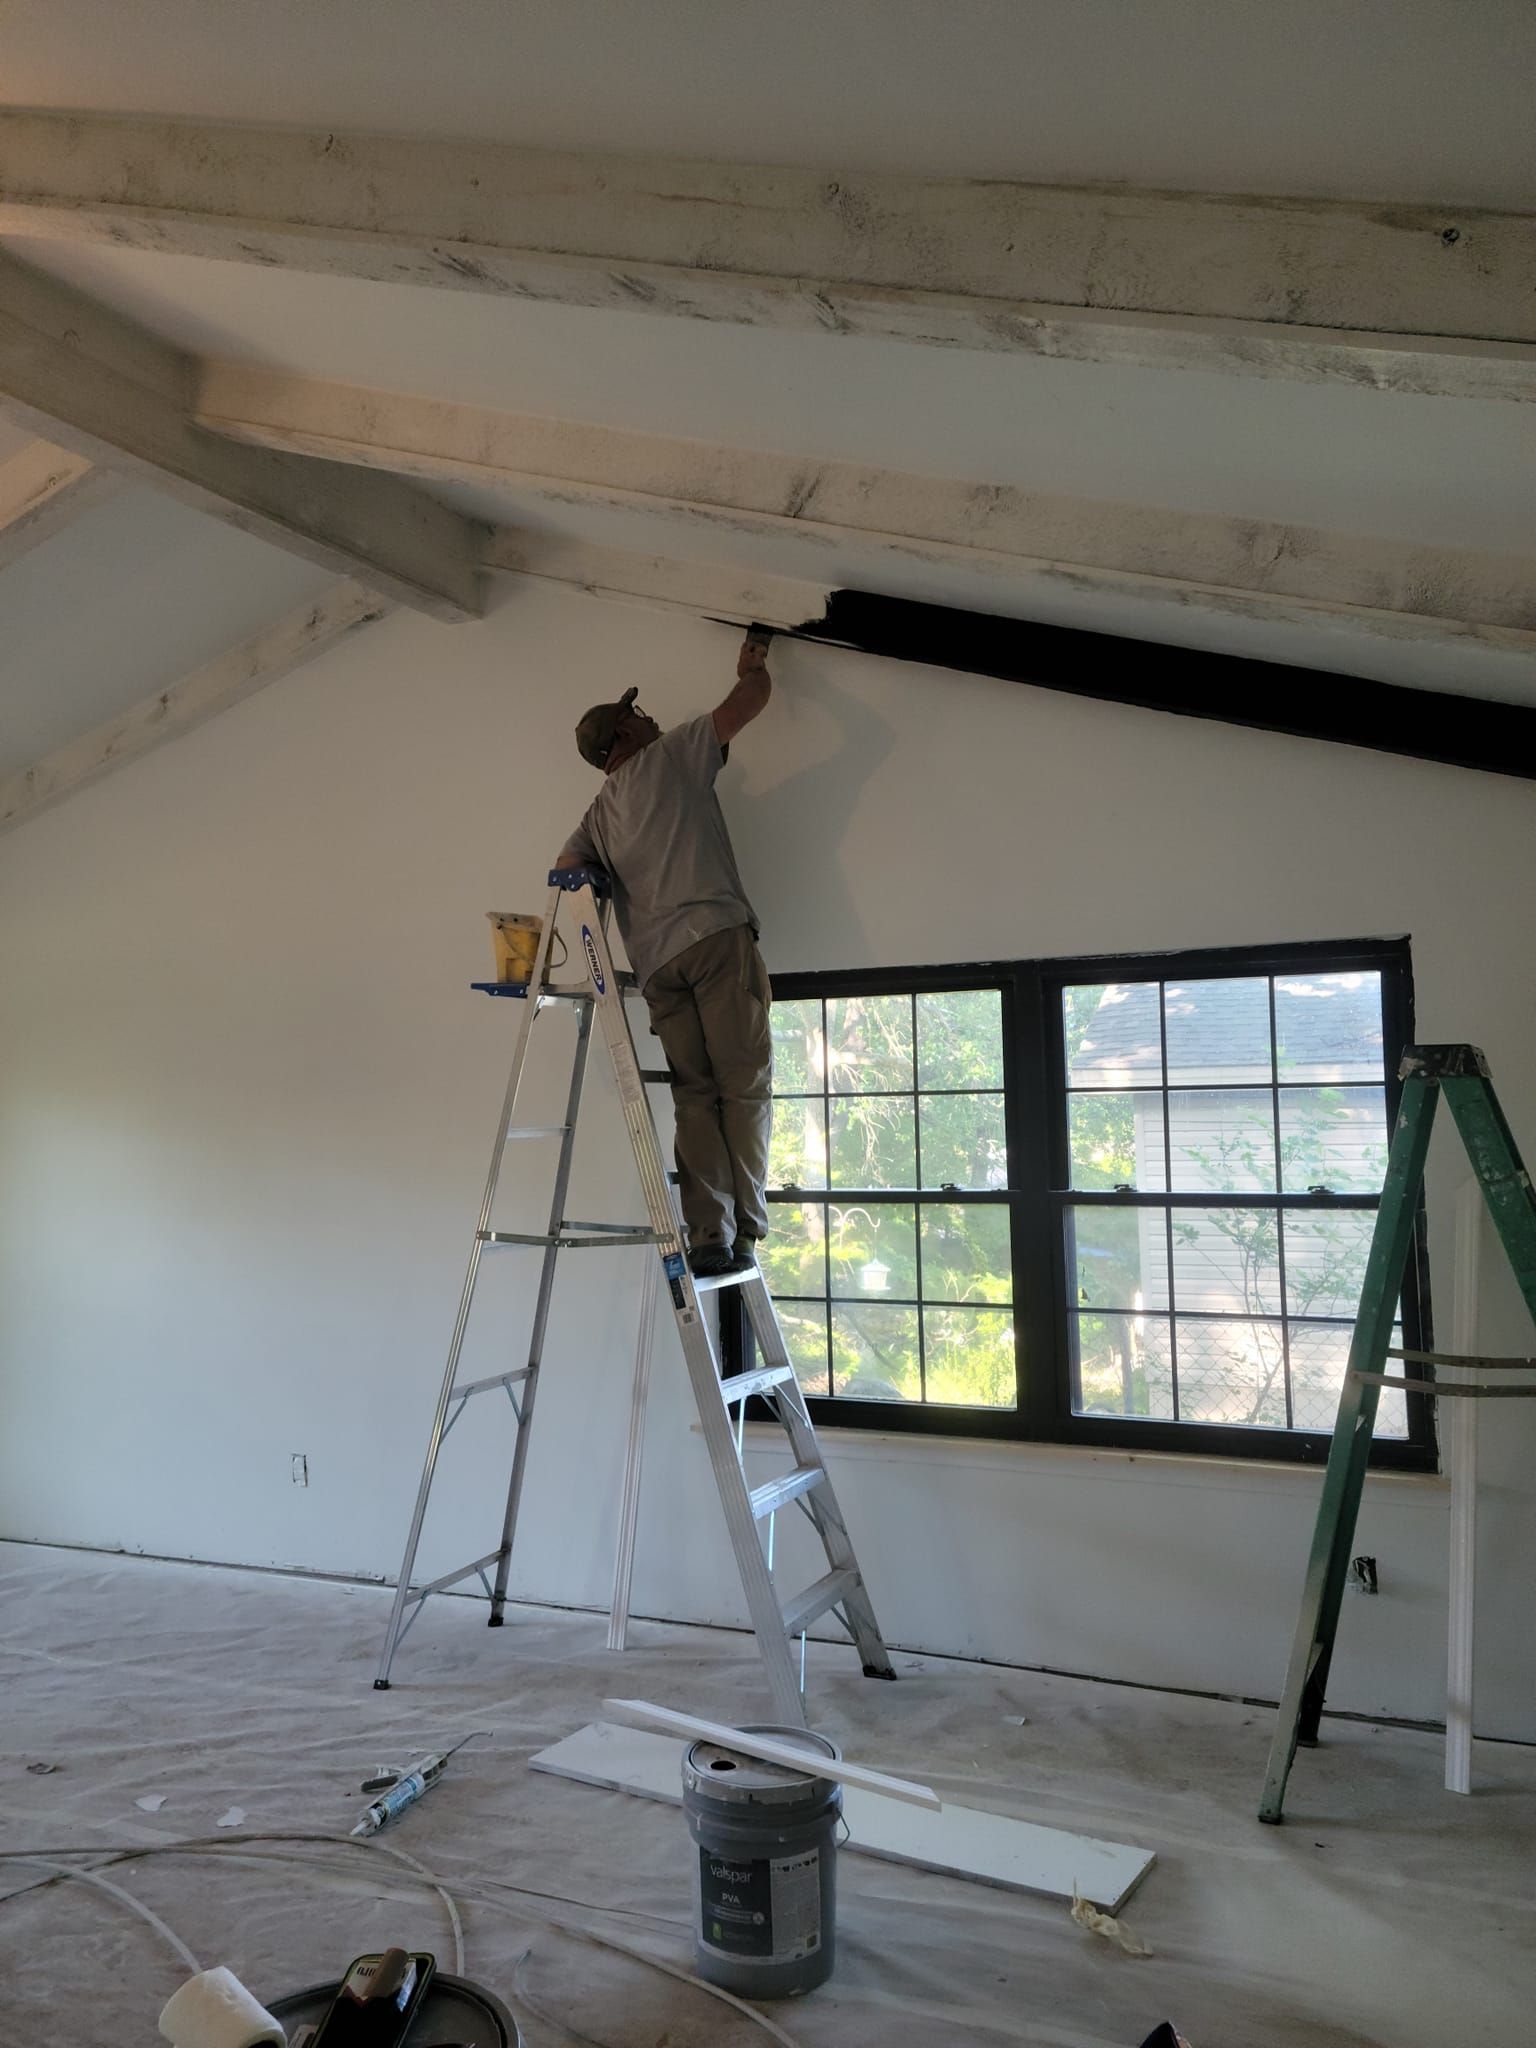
600, 994
1459, 1073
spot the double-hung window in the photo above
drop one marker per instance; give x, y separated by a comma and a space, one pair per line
1118, 1201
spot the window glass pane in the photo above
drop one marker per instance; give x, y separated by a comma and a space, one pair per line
804, 1324
1121, 1366
793, 1253
875, 1352
1231, 1372
971, 1360
798, 1062
874, 1251
1218, 1031
965, 1141
967, 1252
1319, 1354
1333, 1138
874, 1142
1226, 1260
1113, 1037
869, 1043
797, 1153
1328, 1027
1117, 1141
1119, 1257
1325, 1255
960, 1039
1223, 1140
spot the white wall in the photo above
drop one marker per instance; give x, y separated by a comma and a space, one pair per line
245, 1102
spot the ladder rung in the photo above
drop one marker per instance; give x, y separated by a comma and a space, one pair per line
625, 1230
499, 1379
706, 1283
800, 1612
537, 1131
741, 1384
1465, 1358
777, 1493
611, 1238
1478, 1390
581, 991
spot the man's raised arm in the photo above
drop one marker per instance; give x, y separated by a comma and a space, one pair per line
754, 686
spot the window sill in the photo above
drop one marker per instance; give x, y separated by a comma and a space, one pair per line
1157, 1468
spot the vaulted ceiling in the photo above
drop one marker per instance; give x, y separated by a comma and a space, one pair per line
1194, 326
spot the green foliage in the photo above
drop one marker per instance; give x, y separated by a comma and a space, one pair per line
874, 1258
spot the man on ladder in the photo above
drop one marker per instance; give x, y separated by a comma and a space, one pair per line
655, 844
657, 828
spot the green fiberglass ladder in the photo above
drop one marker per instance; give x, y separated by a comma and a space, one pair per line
600, 993
1460, 1073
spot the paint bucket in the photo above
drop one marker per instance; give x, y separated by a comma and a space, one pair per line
765, 1872
515, 940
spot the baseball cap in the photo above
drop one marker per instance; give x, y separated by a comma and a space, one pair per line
595, 734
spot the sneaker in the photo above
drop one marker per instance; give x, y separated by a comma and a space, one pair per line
710, 1260
744, 1255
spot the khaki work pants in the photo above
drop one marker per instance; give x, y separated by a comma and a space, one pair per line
709, 1008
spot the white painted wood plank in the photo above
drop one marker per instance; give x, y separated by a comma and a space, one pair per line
959, 1841
1270, 570
77, 374
766, 1747
1414, 298
1461, 1418
275, 651
42, 489
733, 596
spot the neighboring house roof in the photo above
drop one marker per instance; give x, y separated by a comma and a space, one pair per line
1329, 1027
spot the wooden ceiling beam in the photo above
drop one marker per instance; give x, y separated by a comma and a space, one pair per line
42, 489
80, 375
1430, 299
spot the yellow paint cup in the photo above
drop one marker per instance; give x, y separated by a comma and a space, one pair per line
515, 941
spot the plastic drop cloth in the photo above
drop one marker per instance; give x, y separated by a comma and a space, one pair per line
1385, 1911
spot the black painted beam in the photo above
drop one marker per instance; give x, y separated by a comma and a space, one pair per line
1271, 696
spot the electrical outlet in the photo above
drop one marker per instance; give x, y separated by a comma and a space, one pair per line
300, 1469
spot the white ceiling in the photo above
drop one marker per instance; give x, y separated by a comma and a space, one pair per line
1375, 99
1398, 100
12, 440
133, 595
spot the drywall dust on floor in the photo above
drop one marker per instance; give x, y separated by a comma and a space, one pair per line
1385, 1912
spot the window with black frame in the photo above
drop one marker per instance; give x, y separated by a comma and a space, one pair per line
1227, 1139
890, 1257
1119, 1201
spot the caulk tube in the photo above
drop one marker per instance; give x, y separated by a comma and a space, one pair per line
392, 1802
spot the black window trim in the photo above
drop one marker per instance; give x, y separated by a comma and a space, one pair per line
1034, 1084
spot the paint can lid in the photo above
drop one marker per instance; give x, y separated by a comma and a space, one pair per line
715, 1772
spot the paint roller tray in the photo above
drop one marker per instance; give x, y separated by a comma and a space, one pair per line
453, 2011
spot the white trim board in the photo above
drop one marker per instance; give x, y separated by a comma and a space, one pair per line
786, 1754
957, 1841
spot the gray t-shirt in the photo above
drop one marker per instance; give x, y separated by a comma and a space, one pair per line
656, 826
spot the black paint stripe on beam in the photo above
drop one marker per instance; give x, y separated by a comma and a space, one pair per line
1270, 696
